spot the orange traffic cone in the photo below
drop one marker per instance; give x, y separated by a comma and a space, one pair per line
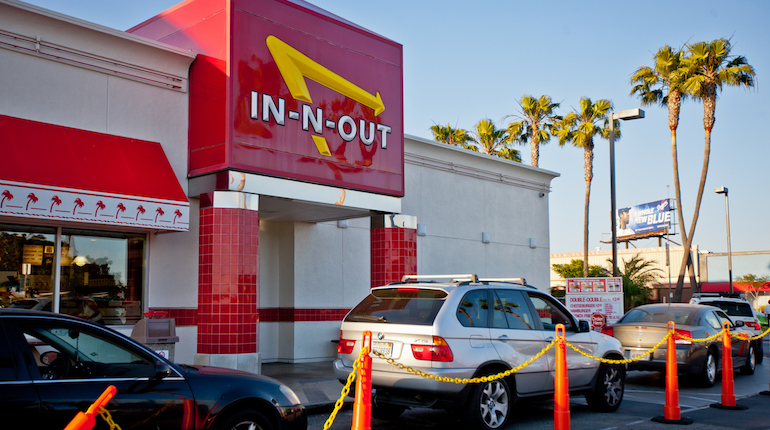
87, 420
362, 407
672, 411
561, 419
728, 384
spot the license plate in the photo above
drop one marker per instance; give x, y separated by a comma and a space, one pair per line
633, 354
384, 348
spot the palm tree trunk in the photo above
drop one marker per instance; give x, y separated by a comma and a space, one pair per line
535, 146
709, 109
588, 160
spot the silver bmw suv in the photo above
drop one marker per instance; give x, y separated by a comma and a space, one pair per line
460, 326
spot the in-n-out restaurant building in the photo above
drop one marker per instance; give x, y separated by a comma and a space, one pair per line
241, 165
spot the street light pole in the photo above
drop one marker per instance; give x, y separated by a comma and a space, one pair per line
625, 115
723, 190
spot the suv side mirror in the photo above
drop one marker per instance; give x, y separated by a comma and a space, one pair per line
161, 370
583, 326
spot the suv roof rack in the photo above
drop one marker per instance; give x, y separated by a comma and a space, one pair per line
521, 281
718, 294
452, 278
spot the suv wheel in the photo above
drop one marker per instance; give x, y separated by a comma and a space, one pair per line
751, 362
608, 392
489, 405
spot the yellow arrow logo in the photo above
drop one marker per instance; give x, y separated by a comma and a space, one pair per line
296, 66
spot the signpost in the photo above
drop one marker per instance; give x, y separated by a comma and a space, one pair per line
598, 300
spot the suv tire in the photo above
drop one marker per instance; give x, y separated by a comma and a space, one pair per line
608, 391
489, 405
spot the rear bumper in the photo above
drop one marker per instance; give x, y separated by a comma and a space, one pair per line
688, 361
401, 380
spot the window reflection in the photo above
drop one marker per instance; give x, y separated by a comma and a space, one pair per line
101, 272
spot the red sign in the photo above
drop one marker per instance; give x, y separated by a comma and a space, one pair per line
598, 321
294, 93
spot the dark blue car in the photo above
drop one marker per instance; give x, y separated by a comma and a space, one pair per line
52, 366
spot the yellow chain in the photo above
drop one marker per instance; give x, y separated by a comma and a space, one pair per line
612, 361
466, 380
705, 339
345, 391
740, 334
105, 414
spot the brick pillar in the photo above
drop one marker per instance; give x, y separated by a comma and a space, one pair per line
393, 248
228, 285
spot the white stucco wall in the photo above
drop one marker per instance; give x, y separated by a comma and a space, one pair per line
39, 88
458, 194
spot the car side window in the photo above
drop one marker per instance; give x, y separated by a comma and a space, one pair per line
474, 309
549, 312
723, 317
712, 320
511, 311
68, 352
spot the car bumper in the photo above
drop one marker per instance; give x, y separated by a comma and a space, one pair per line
406, 381
293, 418
688, 360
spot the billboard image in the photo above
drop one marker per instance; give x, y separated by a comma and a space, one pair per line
643, 219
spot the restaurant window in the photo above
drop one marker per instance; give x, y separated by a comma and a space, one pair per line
26, 261
102, 273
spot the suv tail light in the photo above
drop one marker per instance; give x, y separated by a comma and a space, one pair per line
346, 345
608, 330
439, 351
685, 333
753, 324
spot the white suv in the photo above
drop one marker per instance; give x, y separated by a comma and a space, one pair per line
738, 309
460, 326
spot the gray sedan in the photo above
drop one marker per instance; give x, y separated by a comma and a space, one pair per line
643, 327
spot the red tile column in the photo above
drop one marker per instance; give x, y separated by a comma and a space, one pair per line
228, 282
393, 248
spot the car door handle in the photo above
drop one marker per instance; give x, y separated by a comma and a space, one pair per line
504, 338
60, 407
548, 339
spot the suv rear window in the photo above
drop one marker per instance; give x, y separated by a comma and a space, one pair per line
734, 309
399, 306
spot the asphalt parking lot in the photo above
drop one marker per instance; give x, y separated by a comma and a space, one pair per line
644, 398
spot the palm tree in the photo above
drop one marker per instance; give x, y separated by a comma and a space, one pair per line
663, 84
711, 65
55, 200
535, 124
121, 208
139, 210
31, 198
637, 274
451, 136
177, 214
78, 204
490, 140
99, 206
6, 195
158, 212
579, 127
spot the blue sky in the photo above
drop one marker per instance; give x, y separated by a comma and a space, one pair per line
464, 61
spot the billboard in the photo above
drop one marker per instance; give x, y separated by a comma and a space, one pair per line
652, 217
597, 300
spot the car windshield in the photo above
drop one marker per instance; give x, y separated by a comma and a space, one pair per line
399, 306
734, 309
660, 314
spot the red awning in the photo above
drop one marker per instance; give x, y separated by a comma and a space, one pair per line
722, 287
56, 172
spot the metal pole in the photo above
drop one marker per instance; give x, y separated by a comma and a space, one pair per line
729, 253
612, 198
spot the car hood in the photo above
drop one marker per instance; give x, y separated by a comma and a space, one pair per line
212, 371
